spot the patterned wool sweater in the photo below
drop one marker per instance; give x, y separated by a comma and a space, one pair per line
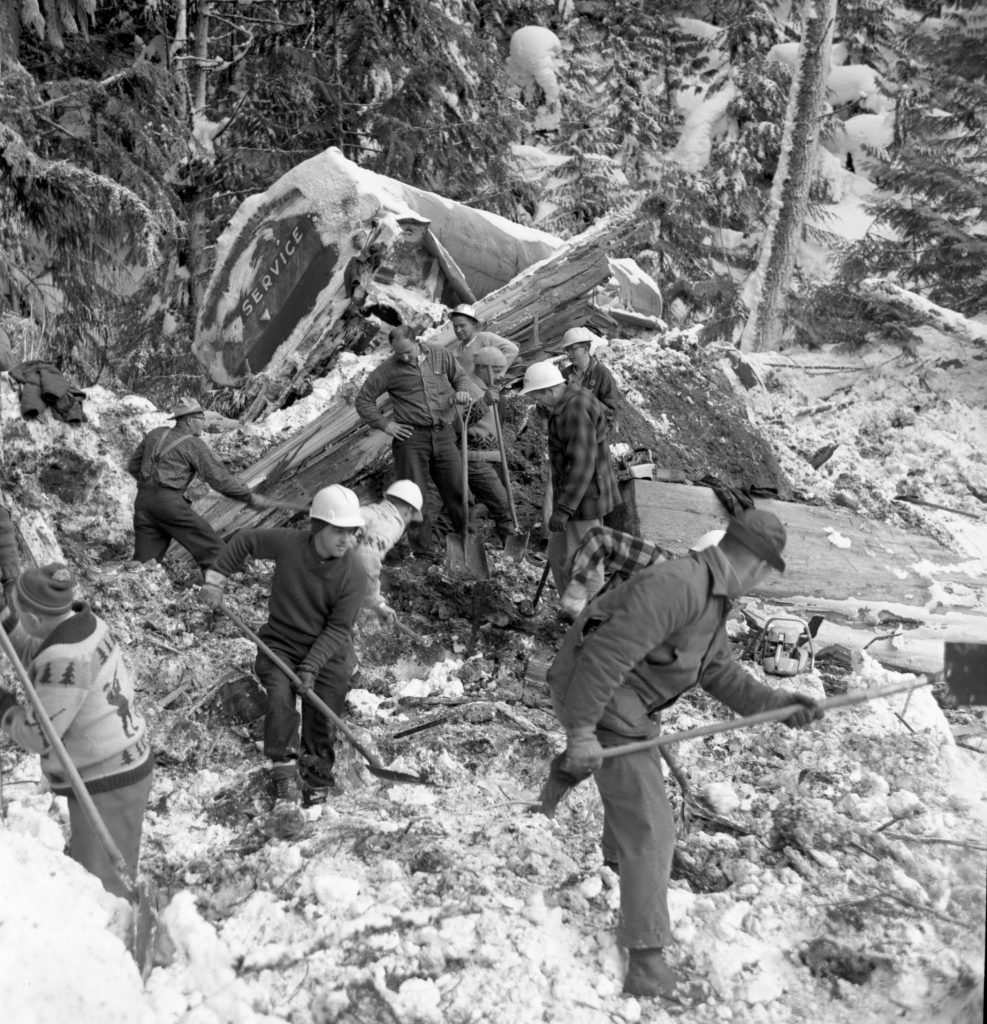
383, 528
86, 689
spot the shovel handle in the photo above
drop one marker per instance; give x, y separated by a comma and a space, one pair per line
75, 779
774, 715
541, 584
498, 427
316, 701
409, 632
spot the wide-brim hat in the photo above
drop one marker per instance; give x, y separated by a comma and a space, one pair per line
187, 407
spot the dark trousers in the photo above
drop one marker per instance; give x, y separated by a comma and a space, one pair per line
487, 485
161, 515
281, 721
432, 453
639, 834
122, 811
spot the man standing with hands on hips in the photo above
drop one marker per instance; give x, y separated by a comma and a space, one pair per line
424, 383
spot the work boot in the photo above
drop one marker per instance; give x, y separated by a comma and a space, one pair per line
286, 784
316, 777
649, 975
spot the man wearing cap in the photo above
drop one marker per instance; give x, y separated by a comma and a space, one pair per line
585, 369
164, 464
317, 592
487, 478
628, 655
82, 682
424, 382
470, 339
584, 488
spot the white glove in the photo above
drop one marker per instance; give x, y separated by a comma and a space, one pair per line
385, 612
574, 599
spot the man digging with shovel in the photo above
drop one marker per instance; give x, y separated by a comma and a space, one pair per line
316, 594
82, 683
629, 654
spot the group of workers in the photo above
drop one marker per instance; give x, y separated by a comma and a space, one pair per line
630, 652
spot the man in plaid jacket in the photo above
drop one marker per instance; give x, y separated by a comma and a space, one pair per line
584, 487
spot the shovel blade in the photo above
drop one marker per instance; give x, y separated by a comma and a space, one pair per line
466, 556
965, 671
145, 928
390, 775
516, 547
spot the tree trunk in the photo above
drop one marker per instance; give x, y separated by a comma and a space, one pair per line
766, 289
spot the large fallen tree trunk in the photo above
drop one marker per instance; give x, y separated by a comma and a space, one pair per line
533, 310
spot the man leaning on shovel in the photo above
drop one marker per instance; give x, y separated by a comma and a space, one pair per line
628, 655
317, 592
164, 464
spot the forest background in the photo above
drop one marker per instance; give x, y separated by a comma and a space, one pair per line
130, 132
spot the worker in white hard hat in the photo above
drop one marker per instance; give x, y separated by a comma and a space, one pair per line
619, 555
585, 369
385, 522
470, 339
317, 592
584, 487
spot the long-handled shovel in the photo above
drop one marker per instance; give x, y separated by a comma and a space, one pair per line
517, 545
143, 894
465, 554
560, 782
374, 764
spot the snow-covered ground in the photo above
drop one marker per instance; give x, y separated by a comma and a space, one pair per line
843, 877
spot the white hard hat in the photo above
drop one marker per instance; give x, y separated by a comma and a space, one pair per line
410, 493
539, 376
337, 506
578, 336
465, 309
708, 540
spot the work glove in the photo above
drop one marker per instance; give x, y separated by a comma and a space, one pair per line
7, 701
806, 715
304, 681
211, 595
557, 521
574, 599
386, 613
583, 753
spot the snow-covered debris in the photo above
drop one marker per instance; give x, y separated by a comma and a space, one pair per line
533, 62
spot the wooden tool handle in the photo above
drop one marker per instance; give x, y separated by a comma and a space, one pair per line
311, 697
774, 715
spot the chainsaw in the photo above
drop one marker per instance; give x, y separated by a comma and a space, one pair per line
785, 646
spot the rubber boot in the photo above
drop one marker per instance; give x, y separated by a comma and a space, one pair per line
649, 975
